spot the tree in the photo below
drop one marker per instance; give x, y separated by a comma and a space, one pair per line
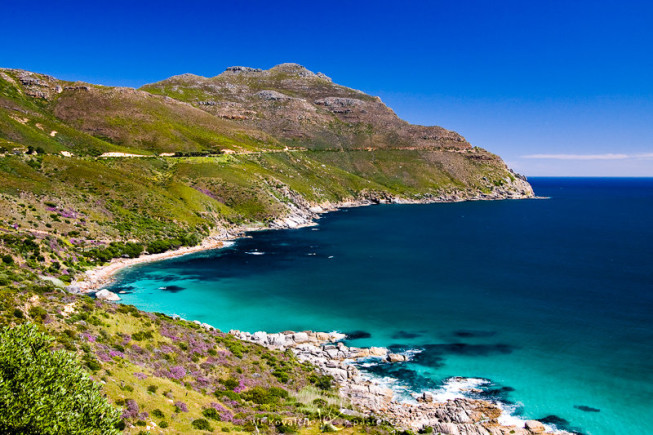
47, 392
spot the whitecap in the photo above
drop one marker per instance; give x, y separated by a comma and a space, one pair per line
457, 388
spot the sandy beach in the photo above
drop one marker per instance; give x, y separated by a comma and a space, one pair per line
101, 276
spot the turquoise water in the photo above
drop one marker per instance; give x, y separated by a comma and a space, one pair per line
551, 301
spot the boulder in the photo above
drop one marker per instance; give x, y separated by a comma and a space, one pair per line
534, 426
322, 336
396, 357
260, 337
378, 351
300, 337
277, 339
106, 295
362, 353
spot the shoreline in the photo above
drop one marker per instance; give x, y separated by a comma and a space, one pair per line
371, 396
302, 214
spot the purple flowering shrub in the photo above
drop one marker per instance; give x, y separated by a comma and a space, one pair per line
177, 372
181, 407
225, 370
131, 409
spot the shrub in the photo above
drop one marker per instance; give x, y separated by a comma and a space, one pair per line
38, 313
181, 407
152, 389
142, 335
211, 413
231, 395
158, 413
18, 313
322, 382
281, 375
260, 395
7, 259
202, 424
35, 392
230, 383
163, 424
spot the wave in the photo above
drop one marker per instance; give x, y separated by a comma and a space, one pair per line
450, 389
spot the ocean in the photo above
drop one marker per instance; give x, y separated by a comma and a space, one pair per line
545, 305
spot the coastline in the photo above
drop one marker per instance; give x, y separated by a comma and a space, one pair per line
453, 415
301, 214
370, 395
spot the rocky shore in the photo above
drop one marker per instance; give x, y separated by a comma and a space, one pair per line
326, 351
301, 213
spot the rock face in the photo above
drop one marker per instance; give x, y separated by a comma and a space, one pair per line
331, 357
291, 102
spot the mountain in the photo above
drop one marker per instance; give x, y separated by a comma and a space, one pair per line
91, 173
84, 165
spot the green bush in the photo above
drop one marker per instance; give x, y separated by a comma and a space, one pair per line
44, 392
230, 383
142, 335
38, 313
7, 259
202, 424
163, 424
158, 413
211, 413
323, 382
261, 396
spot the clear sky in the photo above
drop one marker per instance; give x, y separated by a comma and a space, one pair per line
554, 87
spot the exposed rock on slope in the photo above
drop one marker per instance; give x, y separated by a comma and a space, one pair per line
304, 108
332, 357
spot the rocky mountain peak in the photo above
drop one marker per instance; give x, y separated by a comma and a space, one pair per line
294, 69
242, 69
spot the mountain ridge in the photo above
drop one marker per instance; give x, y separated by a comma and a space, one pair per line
246, 147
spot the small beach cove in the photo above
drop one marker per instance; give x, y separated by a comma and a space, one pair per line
521, 294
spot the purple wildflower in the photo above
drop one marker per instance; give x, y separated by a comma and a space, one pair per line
131, 409
225, 414
102, 356
177, 372
240, 387
181, 406
139, 375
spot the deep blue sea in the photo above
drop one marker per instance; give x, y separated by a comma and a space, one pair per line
547, 303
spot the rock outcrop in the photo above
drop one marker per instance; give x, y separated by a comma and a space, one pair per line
106, 295
332, 357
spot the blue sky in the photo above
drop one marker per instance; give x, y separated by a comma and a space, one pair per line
554, 87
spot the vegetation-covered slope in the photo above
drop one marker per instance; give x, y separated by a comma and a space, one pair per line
160, 375
89, 173
245, 147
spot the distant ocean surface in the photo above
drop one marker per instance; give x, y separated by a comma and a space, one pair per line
546, 304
